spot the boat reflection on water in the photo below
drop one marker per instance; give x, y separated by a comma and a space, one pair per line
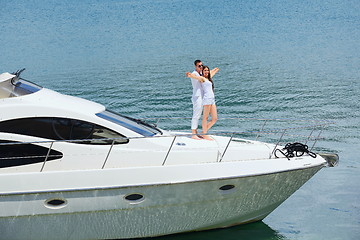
254, 231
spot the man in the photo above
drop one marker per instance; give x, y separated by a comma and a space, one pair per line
196, 99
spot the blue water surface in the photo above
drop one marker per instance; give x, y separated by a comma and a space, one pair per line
277, 59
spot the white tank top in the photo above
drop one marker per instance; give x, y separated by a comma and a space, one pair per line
207, 89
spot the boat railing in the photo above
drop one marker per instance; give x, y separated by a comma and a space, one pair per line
265, 128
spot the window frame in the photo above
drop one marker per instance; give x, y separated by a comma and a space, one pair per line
135, 125
32, 126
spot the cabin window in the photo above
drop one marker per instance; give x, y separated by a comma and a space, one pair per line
81, 132
16, 154
136, 125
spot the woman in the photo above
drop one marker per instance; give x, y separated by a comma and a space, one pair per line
208, 98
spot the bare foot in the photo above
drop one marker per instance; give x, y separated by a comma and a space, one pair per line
195, 137
207, 137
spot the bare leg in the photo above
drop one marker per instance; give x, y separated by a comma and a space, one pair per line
214, 117
205, 122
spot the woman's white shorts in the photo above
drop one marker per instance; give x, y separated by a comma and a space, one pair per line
208, 101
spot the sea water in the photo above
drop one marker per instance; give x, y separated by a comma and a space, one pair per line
277, 59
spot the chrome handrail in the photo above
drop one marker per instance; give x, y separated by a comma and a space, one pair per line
283, 131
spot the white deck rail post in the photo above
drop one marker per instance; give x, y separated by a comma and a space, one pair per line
318, 137
310, 135
47, 156
169, 150
107, 156
232, 135
262, 128
273, 151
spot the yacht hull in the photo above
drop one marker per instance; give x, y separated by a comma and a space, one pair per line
71, 169
106, 213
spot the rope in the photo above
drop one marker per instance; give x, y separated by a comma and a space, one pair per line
295, 149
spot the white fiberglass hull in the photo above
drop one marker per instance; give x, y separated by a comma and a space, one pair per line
178, 206
71, 169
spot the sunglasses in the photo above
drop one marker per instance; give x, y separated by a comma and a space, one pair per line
200, 66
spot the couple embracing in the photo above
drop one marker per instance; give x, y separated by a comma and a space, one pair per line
203, 97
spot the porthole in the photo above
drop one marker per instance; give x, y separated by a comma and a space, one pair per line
227, 188
134, 198
55, 203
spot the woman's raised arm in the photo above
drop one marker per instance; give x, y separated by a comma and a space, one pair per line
214, 71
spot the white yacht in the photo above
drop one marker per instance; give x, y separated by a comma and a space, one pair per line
71, 169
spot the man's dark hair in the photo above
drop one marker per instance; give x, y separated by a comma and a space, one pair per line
197, 61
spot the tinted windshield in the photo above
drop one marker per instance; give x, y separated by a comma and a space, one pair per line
25, 87
20, 88
133, 124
